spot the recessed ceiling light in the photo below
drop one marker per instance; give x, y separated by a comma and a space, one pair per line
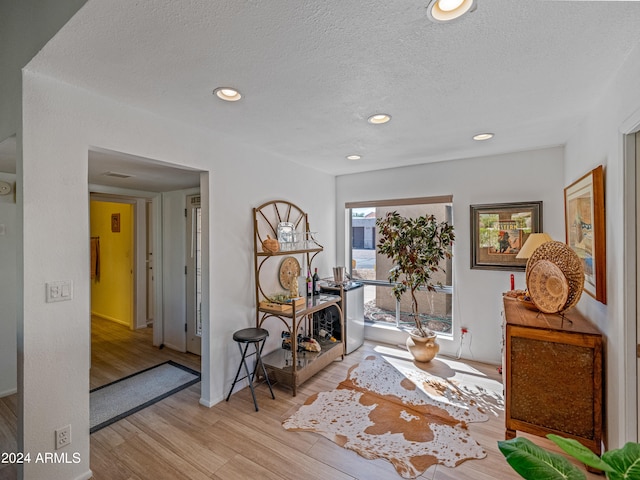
483, 136
354, 157
379, 118
227, 94
447, 10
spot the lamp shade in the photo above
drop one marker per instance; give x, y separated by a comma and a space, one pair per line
533, 242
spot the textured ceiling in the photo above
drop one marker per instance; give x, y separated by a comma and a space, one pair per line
311, 72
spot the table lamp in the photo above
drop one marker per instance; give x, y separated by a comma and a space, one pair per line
533, 241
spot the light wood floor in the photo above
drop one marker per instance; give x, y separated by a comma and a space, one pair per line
177, 438
8, 434
117, 352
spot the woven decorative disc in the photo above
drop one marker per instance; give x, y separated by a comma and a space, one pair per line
548, 287
563, 257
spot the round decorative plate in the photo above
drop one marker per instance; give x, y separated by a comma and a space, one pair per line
289, 271
548, 287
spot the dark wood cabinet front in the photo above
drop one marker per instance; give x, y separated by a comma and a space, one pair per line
553, 375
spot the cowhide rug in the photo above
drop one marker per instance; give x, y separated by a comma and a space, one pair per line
409, 417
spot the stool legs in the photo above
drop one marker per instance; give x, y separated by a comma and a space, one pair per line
242, 362
258, 345
264, 370
249, 375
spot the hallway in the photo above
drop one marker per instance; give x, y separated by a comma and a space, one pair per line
117, 352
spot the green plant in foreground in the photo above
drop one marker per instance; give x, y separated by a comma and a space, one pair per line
535, 463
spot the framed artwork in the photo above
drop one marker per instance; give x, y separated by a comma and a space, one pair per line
584, 218
498, 232
115, 222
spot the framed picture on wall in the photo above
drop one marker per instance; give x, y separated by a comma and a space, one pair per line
498, 232
115, 222
584, 217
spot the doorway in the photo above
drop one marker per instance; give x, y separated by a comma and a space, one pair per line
159, 191
112, 261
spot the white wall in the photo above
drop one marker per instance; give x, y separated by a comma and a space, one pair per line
515, 177
599, 141
60, 125
8, 291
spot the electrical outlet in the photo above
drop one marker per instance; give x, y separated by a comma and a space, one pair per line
63, 436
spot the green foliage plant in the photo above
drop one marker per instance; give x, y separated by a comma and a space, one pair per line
535, 463
416, 246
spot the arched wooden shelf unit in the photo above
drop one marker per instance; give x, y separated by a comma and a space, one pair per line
290, 367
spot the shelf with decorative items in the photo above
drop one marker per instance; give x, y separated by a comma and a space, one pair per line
281, 231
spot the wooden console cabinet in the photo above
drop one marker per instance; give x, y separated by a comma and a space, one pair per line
553, 370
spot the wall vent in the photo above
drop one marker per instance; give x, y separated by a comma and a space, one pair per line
117, 175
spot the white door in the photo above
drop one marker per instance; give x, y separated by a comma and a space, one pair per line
194, 274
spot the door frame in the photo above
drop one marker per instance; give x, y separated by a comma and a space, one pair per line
631, 322
193, 340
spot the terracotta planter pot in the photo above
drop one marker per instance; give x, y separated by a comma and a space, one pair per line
423, 349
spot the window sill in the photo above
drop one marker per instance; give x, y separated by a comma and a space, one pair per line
379, 332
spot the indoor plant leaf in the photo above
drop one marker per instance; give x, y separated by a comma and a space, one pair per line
580, 452
624, 461
535, 463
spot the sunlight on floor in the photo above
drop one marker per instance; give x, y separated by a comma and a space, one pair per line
461, 366
468, 381
393, 352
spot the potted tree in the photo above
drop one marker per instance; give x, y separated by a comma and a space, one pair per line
417, 247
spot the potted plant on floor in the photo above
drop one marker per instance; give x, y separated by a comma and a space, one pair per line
417, 247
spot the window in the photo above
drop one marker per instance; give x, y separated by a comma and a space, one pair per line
372, 268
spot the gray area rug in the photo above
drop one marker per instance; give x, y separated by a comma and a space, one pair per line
117, 400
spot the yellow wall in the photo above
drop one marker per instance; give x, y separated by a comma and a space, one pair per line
112, 292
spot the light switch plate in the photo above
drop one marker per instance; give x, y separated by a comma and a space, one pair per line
59, 291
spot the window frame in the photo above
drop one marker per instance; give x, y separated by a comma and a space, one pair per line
400, 202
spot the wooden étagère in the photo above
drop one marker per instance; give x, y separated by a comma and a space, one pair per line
290, 367
553, 369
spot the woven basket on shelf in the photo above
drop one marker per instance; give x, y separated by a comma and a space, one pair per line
568, 262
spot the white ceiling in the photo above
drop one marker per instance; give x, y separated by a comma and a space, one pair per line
311, 72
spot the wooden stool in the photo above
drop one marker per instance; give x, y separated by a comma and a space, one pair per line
257, 338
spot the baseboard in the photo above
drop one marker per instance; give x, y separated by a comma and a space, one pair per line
381, 333
206, 403
210, 403
111, 319
85, 476
6, 393
174, 347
